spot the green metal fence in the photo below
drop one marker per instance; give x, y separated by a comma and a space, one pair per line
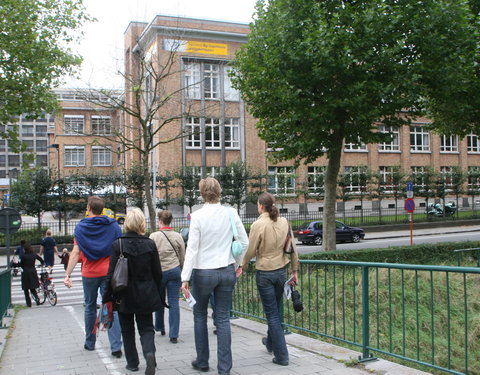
461, 254
428, 315
5, 293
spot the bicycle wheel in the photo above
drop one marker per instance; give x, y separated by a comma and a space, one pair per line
42, 296
52, 297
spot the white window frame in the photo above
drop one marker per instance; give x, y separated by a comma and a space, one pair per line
193, 129
355, 147
281, 180
449, 143
211, 80
386, 175
212, 133
75, 124
229, 93
446, 172
101, 125
352, 170
314, 175
421, 139
473, 144
232, 133
101, 156
394, 144
192, 80
74, 156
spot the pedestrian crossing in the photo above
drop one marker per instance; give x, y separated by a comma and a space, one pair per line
72, 296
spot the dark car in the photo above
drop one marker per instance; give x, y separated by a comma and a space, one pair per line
311, 232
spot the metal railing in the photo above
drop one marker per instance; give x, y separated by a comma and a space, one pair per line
473, 252
423, 314
5, 293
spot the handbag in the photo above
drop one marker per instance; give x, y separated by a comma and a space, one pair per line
120, 275
237, 247
288, 246
297, 302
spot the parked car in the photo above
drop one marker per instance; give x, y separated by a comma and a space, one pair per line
312, 232
108, 212
436, 209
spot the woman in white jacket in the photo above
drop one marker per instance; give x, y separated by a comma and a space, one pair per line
211, 266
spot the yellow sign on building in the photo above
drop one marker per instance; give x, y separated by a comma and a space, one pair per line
192, 46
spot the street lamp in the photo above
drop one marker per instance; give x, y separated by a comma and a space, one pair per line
57, 146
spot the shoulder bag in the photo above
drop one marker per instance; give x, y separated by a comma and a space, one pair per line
171, 244
288, 246
237, 247
120, 275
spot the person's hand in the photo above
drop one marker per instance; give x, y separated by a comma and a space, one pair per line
239, 271
67, 281
186, 289
294, 278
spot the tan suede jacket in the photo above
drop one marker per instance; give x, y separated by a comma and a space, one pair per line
168, 256
266, 241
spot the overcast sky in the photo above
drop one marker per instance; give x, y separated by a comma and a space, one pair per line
102, 45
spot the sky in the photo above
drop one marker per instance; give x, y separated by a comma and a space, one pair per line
102, 44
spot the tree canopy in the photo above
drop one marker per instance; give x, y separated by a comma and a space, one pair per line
34, 53
317, 74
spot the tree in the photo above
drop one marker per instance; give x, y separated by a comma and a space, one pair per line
35, 39
30, 192
188, 179
152, 109
473, 184
317, 74
135, 184
379, 190
165, 183
397, 178
423, 184
458, 179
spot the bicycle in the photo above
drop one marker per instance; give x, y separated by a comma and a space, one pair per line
46, 288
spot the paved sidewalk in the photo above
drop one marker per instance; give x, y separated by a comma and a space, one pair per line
49, 340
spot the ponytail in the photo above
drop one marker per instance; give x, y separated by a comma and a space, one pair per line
268, 201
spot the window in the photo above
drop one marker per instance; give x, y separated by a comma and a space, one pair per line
192, 127
27, 130
281, 180
101, 125
192, 80
386, 175
355, 146
41, 160
41, 130
3, 145
316, 179
394, 144
446, 173
418, 177
211, 78
41, 145
229, 92
419, 139
232, 133
449, 143
73, 124
3, 160
473, 145
474, 178
354, 177
74, 156
29, 144
13, 160
212, 133
101, 156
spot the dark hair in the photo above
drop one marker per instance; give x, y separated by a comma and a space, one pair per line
96, 204
28, 248
165, 216
23, 242
267, 200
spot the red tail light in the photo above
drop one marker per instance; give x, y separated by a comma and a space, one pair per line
304, 231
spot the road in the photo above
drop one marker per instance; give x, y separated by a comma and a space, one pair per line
381, 242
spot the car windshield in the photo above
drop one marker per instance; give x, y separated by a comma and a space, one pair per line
304, 225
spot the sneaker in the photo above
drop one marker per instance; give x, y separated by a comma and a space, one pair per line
131, 368
264, 342
173, 340
198, 368
88, 348
277, 362
151, 364
117, 354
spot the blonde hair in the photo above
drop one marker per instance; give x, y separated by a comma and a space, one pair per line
65, 250
135, 221
48, 233
210, 189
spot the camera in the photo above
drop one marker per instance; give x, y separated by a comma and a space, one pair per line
297, 303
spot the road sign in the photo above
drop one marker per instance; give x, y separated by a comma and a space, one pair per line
409, 186
409, 204
10, 220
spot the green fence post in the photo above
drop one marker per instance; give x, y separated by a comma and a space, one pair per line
366, 356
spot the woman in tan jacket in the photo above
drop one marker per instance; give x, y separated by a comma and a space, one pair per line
171, 250
266, 242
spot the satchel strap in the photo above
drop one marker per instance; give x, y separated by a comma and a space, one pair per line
168, 239
232, 222
120, 244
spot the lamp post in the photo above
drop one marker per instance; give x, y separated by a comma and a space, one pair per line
57, 147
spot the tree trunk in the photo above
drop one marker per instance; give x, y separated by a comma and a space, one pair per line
148, 193
331, 175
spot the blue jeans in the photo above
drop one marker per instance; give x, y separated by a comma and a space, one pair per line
221, 282
171, 282
270, 287
90, 291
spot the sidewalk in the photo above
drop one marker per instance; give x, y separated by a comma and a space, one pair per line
419, 232
49, 340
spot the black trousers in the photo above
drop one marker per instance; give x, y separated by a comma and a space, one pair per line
145, 330
27, 296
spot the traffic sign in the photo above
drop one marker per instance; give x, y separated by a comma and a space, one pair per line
409, 186
10, 220
409, 204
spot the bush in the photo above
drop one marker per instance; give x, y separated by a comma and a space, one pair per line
417, 254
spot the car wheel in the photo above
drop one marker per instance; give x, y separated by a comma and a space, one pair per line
304, 242
318, 240
355, 237
120, 220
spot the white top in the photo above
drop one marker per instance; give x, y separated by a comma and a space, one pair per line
210, 239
